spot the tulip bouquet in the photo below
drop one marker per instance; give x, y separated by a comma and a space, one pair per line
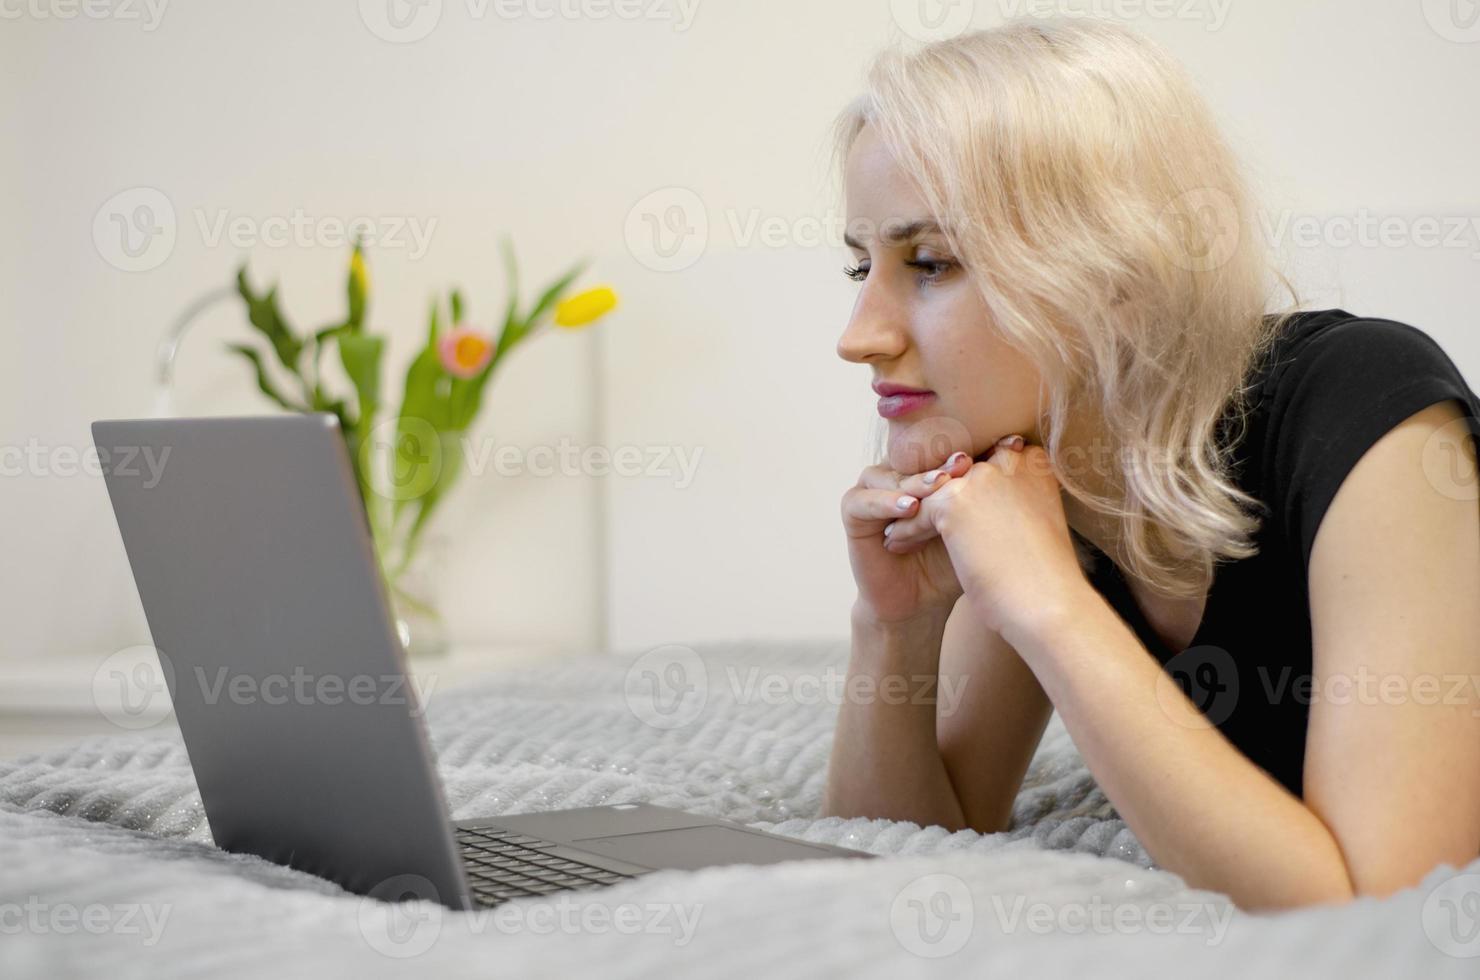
406, 461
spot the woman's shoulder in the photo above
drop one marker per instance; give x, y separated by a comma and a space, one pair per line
1334, 383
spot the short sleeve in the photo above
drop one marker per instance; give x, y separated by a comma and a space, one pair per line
1342, 392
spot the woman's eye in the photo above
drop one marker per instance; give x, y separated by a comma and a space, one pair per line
858, 273
931, 269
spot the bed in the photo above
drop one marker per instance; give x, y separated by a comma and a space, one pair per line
109, 868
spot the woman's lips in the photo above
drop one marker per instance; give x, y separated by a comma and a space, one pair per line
893, 406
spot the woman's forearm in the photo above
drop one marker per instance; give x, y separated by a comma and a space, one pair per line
1199, 806
885, 761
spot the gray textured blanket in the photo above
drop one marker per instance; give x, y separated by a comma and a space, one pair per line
108, 866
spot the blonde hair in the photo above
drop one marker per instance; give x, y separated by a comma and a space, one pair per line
1086, 190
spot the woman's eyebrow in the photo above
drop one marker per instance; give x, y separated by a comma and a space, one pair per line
898, 234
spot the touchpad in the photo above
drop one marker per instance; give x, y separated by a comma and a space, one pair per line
700, 847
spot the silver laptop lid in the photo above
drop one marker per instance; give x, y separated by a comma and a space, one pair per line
254, 561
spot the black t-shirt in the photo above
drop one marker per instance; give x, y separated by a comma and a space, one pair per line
1325, 391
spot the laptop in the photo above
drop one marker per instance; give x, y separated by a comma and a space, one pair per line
253, 558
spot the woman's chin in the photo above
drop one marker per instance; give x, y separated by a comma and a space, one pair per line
917, 445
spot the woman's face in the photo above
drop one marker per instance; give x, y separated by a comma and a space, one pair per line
947, 380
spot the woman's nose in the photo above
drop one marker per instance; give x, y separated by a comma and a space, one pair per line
872, 333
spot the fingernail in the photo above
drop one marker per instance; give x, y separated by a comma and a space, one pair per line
955, 458
1014, 442
887, 529
905, 502
932, 476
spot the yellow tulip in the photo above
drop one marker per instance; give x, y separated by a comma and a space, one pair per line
358, 273
586, 307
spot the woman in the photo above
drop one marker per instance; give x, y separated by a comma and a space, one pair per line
1111, 489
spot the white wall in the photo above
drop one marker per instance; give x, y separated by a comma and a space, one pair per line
554, 130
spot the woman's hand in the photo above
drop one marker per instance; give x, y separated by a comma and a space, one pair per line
1003, 526
895, 587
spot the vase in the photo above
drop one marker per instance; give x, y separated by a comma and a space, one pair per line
415, 594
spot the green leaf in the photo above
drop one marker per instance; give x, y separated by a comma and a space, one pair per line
434, 323
507, 334
446, 477
457, 307
263, 382
462, 402
553, 293
262, 313
360, 354
416, 457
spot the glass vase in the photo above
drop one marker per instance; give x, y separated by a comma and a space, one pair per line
415, 593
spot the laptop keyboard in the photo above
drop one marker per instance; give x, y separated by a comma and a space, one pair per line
502, 865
